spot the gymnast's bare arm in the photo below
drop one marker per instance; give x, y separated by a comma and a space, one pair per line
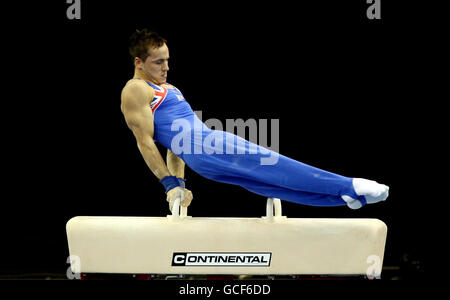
136, 97
175, 164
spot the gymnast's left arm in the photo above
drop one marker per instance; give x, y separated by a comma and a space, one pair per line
176, 166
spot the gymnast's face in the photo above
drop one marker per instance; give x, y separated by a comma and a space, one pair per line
156, 65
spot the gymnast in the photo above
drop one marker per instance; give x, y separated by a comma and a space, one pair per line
156, 111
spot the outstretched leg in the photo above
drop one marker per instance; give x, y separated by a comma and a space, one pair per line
286, 178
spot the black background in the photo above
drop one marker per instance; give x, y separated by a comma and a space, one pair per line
351, 96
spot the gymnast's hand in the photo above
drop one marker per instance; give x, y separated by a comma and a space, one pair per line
178, 192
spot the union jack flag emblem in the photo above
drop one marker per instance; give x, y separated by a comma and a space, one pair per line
160, 95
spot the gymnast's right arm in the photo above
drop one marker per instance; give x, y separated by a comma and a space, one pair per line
139, 118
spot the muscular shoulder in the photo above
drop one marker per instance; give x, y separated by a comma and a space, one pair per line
137, 92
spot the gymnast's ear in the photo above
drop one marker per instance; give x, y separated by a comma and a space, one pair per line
138, 62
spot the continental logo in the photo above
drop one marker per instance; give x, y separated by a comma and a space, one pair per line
216, 259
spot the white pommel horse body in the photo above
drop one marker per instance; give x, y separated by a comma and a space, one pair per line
271, 245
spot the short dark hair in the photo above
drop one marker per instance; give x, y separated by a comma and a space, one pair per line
142, 40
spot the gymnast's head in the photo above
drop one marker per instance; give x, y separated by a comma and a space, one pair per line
150, 56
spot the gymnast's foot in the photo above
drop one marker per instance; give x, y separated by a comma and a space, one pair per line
371, 190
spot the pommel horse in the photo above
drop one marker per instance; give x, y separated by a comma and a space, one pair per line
272, 245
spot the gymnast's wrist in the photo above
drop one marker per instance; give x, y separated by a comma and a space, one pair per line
182, 182
170, 182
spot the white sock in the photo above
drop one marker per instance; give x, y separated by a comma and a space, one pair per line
371, 190
352, 203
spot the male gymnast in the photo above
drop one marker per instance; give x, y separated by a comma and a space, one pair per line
156, 111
